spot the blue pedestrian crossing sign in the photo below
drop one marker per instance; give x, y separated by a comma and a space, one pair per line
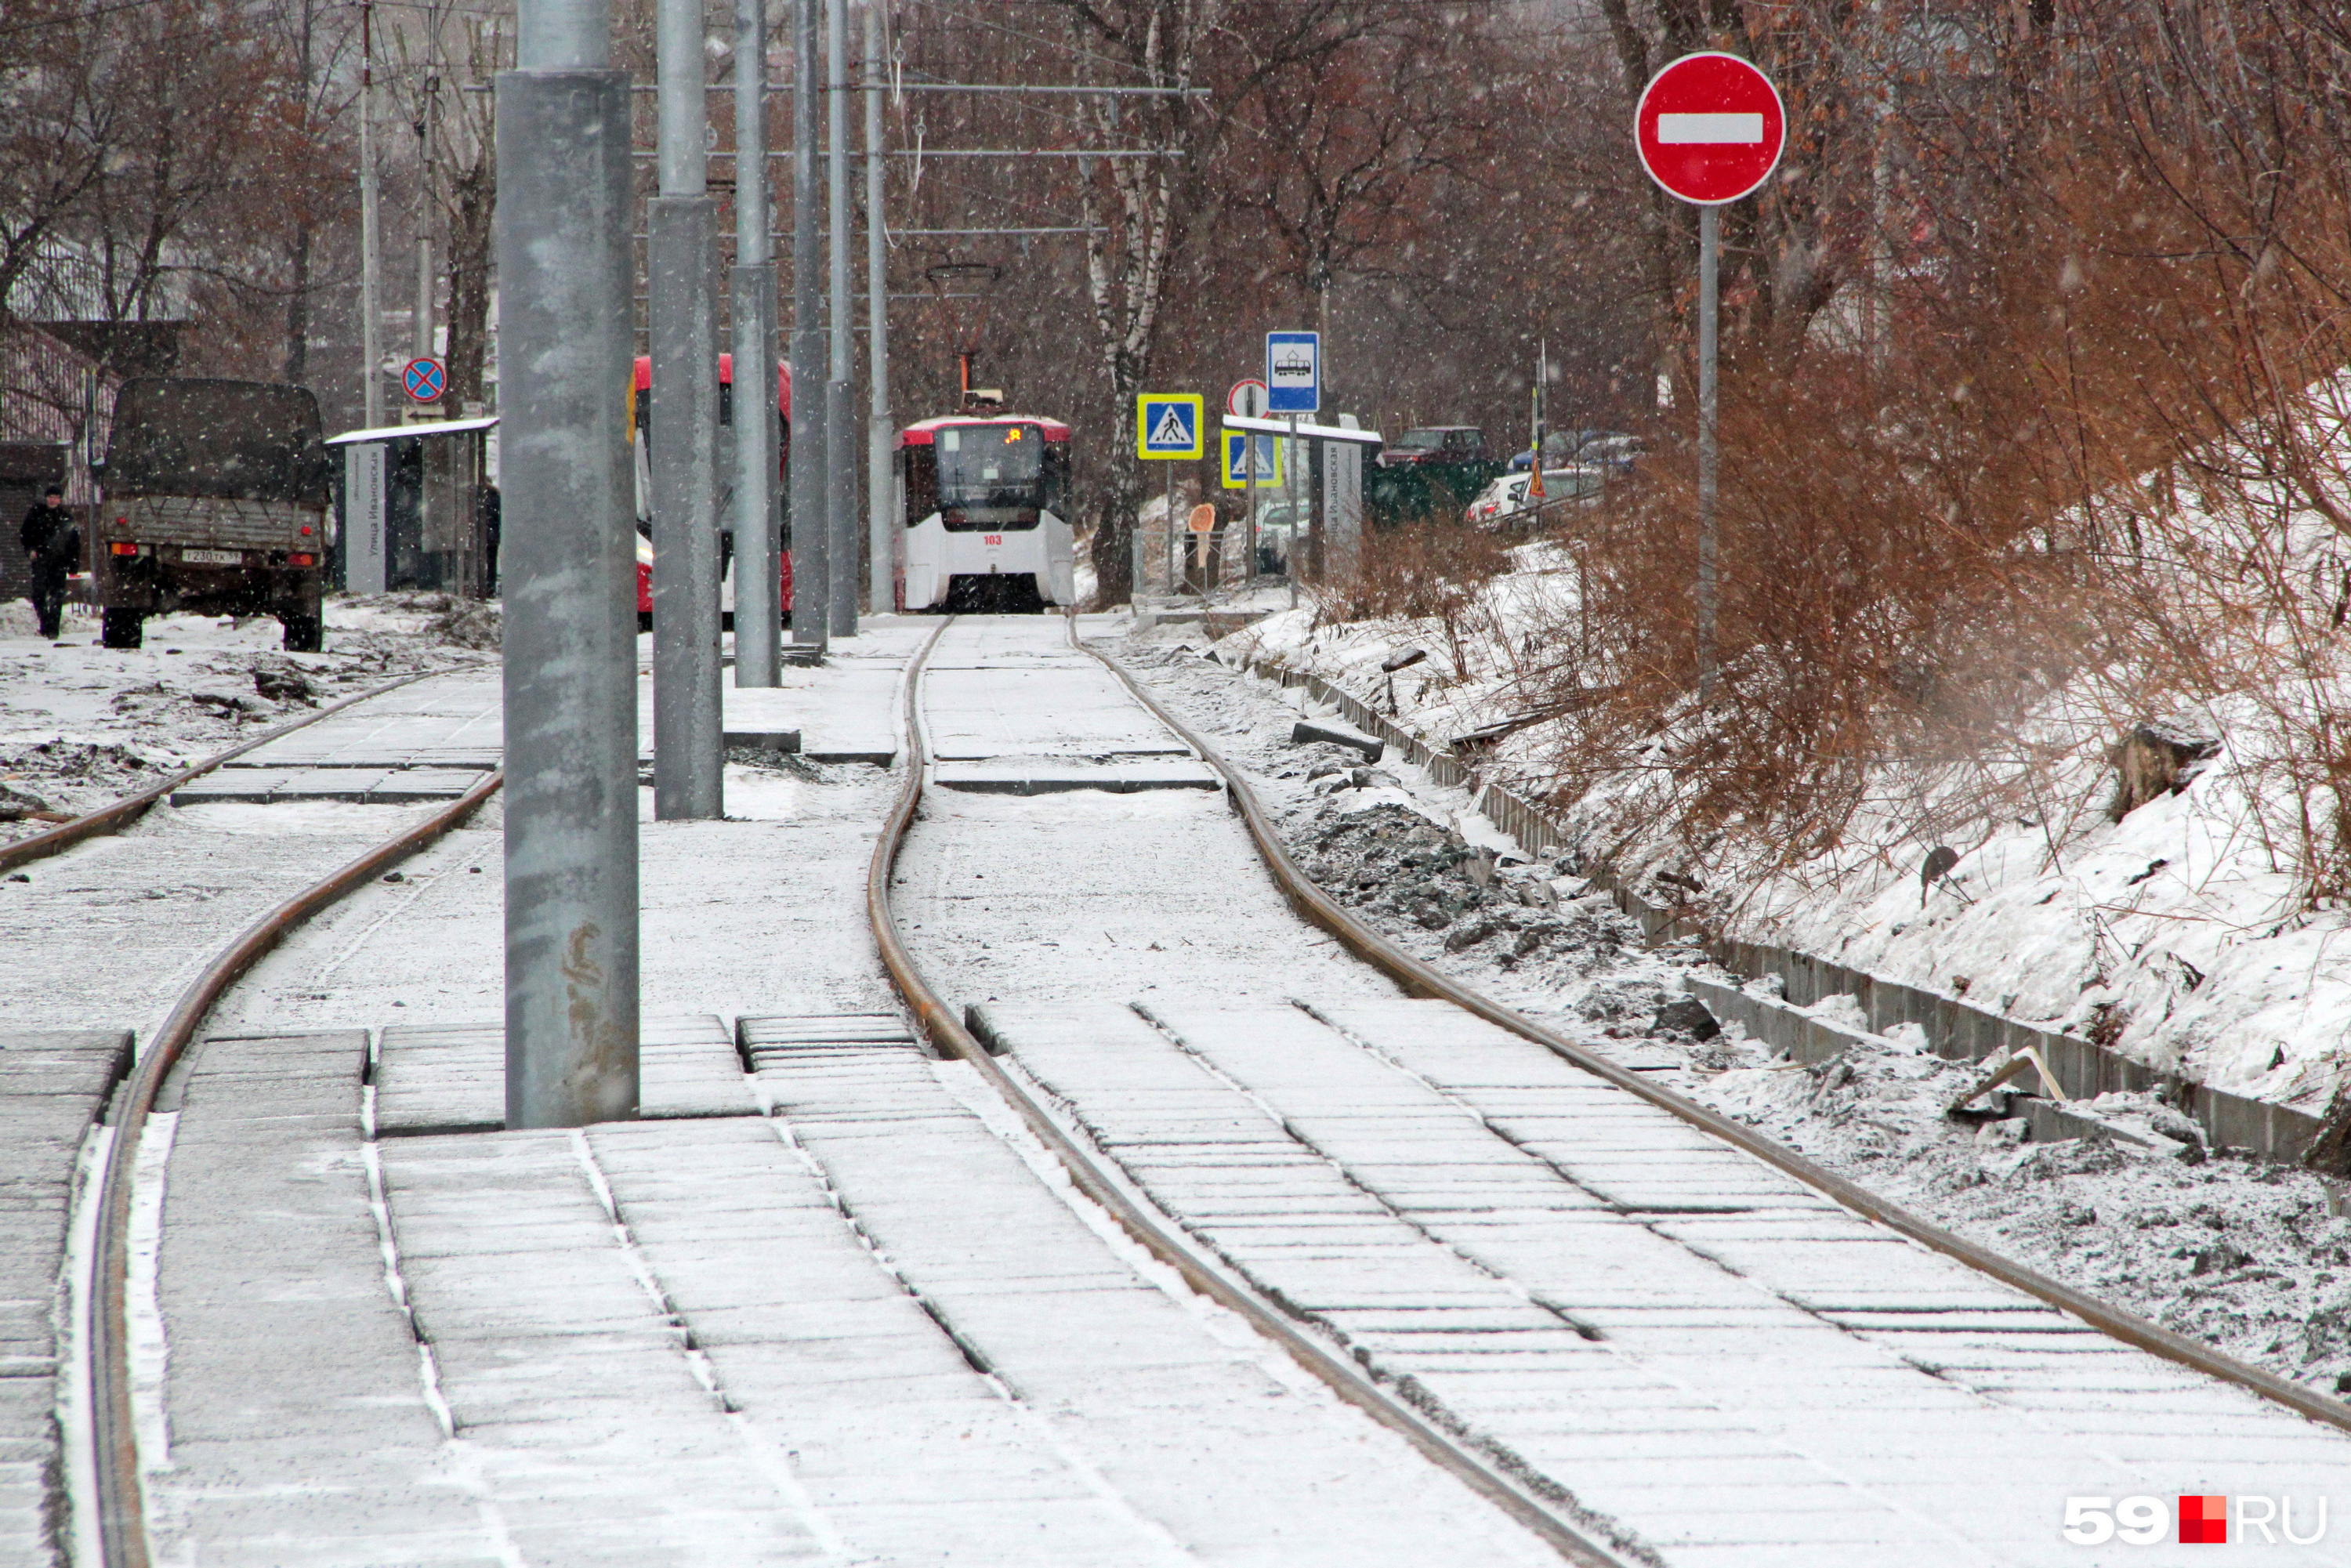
1167, 425
1265, 449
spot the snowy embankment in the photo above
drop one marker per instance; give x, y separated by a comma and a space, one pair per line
2253, 1259
2180, 934
82, 725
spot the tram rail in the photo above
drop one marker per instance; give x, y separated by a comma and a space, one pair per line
1423, 979
119, 1507
116, 815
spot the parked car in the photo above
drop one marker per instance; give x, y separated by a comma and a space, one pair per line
1559, 449
1611, 449
1279, 526
1563, 447
1504, 503
1445, 443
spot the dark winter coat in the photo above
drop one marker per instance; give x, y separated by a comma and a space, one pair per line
49, 537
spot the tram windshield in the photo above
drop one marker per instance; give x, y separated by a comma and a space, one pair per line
986, 466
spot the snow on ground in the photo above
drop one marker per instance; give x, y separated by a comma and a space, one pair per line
2253, 1259
2180, 934
82, 725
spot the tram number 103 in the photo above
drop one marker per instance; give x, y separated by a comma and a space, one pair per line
991, 538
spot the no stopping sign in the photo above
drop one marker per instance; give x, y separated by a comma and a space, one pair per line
1711, 128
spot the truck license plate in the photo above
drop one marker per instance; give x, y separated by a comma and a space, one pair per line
213, 556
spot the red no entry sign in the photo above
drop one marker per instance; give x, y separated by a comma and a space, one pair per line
1709, 127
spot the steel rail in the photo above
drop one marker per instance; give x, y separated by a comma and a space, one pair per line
122, 813
1348, 1381
1425, 980
121, 1510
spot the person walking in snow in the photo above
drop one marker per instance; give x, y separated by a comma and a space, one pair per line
51, 541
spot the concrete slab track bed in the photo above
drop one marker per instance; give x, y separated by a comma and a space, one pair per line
832, 1301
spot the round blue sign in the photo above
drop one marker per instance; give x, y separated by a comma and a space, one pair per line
426, 380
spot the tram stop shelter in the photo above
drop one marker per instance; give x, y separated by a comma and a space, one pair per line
419, 509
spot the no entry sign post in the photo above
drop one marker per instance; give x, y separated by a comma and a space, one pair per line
1710, 129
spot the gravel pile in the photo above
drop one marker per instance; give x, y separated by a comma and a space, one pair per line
2252, 1258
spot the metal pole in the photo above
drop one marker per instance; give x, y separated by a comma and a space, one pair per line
839, 422
682, 318
1248, 457
758, 596
571, 639
421, 336
1297, 560
812, 552
1167, 516
881, 489
371, 312
1710, 250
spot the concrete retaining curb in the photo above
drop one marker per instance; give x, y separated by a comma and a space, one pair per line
1954, 1029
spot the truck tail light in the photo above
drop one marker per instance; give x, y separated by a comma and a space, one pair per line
123, 549
306, 528
302, 560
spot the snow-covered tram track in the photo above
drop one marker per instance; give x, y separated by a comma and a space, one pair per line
1630, 1313
258, 866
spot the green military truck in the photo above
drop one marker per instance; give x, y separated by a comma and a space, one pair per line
216, 498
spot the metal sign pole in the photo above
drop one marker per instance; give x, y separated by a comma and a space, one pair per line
1297, 561
569, 543
682, 318
758, 595
881, 489
839, 421
371, 313
1249, 439
1709, 252
812, 552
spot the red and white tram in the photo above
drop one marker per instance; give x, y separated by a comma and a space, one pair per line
985, 513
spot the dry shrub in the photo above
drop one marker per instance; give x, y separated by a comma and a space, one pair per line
1429, 570
2095, 473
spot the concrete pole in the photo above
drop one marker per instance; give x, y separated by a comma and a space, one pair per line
759, 598
371, 312
839, 422
1709, 253
880, 485
682, 316
566, 335
811, 540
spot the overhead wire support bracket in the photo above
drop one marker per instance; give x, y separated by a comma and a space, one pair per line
787, 89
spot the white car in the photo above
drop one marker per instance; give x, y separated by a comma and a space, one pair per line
1506, 496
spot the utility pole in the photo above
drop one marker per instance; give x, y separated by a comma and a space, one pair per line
759, 597
571, 644
682, 263
881, 488
840, 448
371, 313
811, 553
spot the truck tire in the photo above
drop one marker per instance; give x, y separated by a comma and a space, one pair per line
304, 633
121, 627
